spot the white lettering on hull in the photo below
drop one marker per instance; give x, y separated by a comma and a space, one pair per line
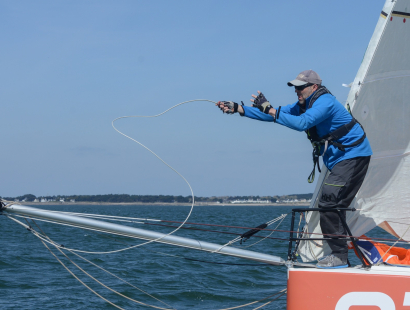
381, 300
406, 301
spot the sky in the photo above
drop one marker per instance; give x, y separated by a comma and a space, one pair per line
68, 68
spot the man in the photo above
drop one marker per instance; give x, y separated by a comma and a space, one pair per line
336, 135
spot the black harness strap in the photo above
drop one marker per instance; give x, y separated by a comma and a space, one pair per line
342, 131
331, 137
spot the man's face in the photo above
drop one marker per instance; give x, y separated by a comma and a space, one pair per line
304, 93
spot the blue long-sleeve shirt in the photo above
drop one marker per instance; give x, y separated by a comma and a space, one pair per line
327, 114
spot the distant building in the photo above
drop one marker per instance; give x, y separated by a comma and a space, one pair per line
72, 200
250, 201
62, 200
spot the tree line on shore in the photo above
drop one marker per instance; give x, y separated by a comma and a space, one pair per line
118, 198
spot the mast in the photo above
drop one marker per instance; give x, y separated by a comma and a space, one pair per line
116, 229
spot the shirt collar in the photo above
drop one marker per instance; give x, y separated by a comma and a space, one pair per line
308, 98
303, 107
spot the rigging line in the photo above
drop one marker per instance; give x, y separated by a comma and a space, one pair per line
75, 250
277, 219
256, 301
381, 259
218, 231
385, 240
265, 304
238, 238
187, 258
108, 273
124, 282
268, 236
226, 226
218, 263
111, 303
90, 215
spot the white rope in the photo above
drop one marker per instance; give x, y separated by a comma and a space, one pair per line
9, 203
189, 185
276, 219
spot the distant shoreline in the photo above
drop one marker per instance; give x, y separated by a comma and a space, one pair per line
161, 204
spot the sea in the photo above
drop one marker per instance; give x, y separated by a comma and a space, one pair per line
155, 274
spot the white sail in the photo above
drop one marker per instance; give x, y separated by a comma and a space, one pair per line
380, 101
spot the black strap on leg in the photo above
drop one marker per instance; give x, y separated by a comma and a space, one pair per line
315, 155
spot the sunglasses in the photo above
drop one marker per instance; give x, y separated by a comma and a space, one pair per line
303, 86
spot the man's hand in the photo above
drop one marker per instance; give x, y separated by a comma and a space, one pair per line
228, 107
261, 103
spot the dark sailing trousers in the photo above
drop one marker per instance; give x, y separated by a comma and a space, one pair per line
339, 189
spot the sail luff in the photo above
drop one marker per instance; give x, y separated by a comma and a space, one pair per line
370, 51
92, 224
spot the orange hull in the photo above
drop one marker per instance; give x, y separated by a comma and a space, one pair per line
381, 288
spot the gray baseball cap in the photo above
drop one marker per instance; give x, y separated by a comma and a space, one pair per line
305, 77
